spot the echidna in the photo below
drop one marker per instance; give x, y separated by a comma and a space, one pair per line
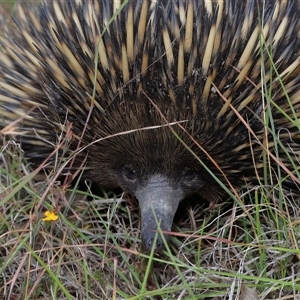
159, 95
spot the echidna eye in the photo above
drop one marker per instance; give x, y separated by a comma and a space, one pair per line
189, 173
129, 173
190, 179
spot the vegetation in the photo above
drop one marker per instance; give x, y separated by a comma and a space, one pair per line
59, 241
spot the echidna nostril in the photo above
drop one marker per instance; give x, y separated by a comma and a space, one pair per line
152, 242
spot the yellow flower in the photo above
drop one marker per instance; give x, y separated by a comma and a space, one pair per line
50, 216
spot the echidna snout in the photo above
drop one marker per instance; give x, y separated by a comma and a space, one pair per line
158, 200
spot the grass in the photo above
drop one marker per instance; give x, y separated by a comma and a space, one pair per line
93, 250
245, 248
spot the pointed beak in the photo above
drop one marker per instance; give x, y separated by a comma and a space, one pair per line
158, 201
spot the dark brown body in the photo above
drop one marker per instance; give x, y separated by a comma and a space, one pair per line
180, 93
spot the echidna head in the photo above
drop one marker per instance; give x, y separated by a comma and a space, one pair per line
154, 166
